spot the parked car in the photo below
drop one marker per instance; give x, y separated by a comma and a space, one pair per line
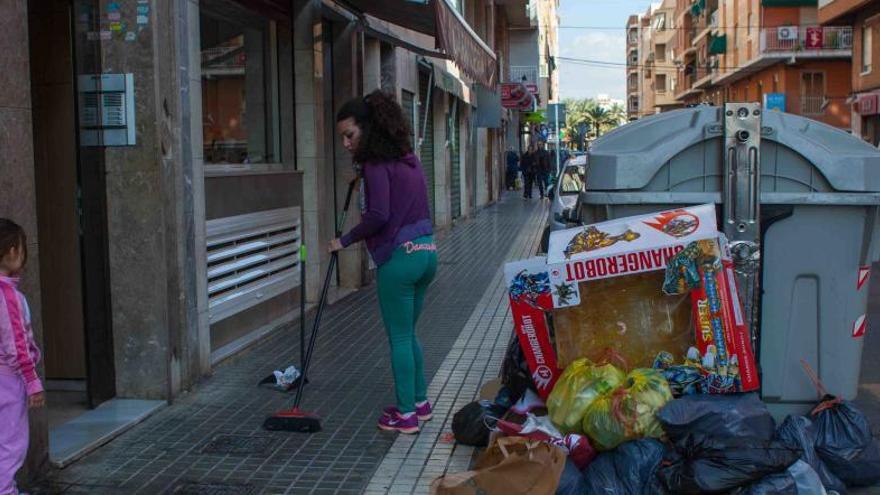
563, 194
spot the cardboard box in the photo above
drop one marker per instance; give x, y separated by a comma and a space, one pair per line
603, 283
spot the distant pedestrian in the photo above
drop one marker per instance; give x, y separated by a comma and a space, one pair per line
20, 386
529, 171
543, 166
512, 169
396, 225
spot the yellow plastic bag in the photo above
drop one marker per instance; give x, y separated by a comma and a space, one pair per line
628, 413
580, 384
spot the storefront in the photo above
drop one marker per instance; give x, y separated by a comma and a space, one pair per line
866, 117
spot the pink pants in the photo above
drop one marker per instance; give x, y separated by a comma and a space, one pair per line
13, 429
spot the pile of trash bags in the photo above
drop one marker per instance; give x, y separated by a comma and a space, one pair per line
624, 433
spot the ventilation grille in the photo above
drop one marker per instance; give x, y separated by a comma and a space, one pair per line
251, 258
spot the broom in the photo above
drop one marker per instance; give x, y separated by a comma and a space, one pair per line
295, 419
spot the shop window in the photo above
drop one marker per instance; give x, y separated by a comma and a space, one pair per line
812, 93
867, 52
239, 86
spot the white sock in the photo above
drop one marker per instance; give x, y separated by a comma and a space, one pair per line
406, 415
422, 403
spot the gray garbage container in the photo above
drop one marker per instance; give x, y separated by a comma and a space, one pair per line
819, 206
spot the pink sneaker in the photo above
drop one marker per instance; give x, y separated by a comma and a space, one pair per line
396, 422
424, 412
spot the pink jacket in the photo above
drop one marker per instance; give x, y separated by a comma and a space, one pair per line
18, 351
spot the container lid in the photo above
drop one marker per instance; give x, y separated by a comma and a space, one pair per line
628, 157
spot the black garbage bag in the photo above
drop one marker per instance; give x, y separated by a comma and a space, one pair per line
515, 373
799, 479
721, 416
844, 442
630, 469
571, 482
472, 424
706, 464
800, 430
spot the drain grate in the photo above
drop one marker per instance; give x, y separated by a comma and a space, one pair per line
213, 489
240, 445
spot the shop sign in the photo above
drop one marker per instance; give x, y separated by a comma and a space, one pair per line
515, 95
867, 104
774, 101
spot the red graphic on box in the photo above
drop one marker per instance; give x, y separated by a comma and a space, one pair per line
864, 275
534, 339
734, 347
860, 326
677, 223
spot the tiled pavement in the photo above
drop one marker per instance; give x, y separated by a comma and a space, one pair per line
211, 441
476, 357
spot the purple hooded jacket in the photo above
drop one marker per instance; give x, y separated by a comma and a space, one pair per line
396, 207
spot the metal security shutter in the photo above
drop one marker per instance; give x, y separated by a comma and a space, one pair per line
454, 149
426, 127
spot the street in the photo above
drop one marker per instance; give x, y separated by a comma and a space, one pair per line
211, 440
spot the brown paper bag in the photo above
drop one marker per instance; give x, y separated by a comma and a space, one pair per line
510, 466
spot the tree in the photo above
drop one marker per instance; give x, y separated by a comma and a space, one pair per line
598, 117
617, 113
588, 111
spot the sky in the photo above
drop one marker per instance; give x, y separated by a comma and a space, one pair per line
607, 44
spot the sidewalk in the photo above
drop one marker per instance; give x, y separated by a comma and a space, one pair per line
212, 441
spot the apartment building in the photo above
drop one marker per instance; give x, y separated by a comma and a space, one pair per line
174, 159
633, 73
534, 47
770, 51
863, 16
651, 72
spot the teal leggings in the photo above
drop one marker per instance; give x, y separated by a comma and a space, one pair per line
402, 282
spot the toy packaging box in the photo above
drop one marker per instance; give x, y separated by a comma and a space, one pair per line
606, 287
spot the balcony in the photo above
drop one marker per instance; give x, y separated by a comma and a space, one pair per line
810, 41
527, 74
790, 43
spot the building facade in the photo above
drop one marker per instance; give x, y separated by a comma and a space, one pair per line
863, 16
770, 51
633, 73
176, 160
534, 47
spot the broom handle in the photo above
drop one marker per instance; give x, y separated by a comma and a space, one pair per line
302, 307
323, 301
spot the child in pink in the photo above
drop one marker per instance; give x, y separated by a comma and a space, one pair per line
20, 387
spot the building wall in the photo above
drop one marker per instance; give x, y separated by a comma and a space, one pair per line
17, 174
871, 80
524, 47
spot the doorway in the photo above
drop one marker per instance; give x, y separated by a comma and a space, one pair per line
71, 214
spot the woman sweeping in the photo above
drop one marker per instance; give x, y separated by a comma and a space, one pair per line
396, 226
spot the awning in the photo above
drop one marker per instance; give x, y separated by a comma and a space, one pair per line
718, 45
439, 19
452, 85
278, 10
467, 50
790, 3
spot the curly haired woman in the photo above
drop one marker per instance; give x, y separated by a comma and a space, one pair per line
396, 226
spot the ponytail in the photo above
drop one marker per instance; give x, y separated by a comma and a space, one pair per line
385, 131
